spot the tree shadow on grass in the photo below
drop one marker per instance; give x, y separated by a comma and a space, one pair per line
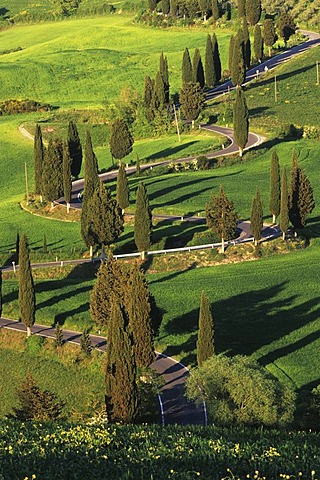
283, 76
60, 318
167, 152
244, 323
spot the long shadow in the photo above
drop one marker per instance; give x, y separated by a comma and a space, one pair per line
256, 112
57, 298
283, 76
172, 275
60, 318
246, 322
166, 152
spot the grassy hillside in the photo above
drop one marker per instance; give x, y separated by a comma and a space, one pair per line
81, 63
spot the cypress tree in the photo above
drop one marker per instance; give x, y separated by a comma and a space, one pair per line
284, 210
256, 218
209, 64
91, 182
301, 200
241, 8
39, 152
104, 217
215, 10
230, 57
148, 91
142, 220
152, 5
216, 58
165, 6
121, 389
121, 140
286, 26
205, 342
192, 100
110, 279
275, 192
85, 344
221, 216
269, 34
58, 336
258, 44
164, 72
138, 165
67, 183
27, 299
186, 67
240, 120
159, 96
246, 42
238, 70
75, 149
52, 171
197, 67
122, 188
253, 11
174, 7
138, 306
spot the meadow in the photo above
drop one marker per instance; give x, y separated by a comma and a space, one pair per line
126, 452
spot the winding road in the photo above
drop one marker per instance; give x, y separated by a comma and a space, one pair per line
175, 407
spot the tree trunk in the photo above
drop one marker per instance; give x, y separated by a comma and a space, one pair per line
222, 245
240, 152
256, 242
68, 207
192, 123
29, 333
283, 235
91, 251
41, 199
52, 205
143, 255
274, 218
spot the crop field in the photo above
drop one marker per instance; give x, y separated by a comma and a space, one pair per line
50, 451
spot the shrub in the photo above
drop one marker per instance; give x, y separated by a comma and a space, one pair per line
203, 163
13, 106
238, 390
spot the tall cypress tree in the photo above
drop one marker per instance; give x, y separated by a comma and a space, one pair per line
91, 182
230, 54
240, 120
192, 99
121, 140
148, 91
121, 389
27, 299
104, 217
205, 342
165, 6
284, 208
241, 8
75, 149
197, 67
122, 188
67, 183
216, 58
142, 220
221, 216
238, 69
39, 153
138, 306
110, 279
209, 64
215, 10
275, 193
52, 171
269, 33
253, 11
159, 95
256, 218
301, 199
186, 67
258, 43
246, 43
164, 72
